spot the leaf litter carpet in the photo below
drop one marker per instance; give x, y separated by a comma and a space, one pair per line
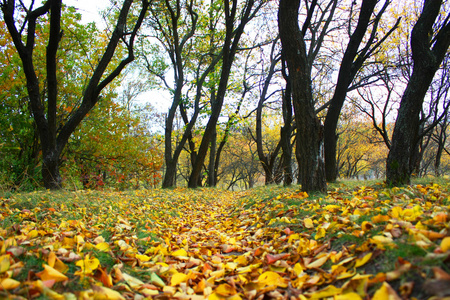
267, 243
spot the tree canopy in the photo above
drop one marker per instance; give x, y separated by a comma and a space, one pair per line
259, 93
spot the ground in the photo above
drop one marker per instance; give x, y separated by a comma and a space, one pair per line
364, 241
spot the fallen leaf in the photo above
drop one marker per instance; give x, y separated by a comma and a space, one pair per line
101, 292
8, 284
272, 278
308, 223
362, 261
178, 278
50, 273
386, 292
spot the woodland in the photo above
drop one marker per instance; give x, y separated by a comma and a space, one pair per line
253, 149
258, 93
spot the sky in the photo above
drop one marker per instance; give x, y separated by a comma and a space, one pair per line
89, 9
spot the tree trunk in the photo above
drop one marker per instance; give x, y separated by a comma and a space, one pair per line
426, 63
309, 146
440, 140
211, 166
286, 130
351, 62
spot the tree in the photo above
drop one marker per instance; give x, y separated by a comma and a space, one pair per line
76, 54
43, 103
352, 61
309, 136
430, 40
229, 49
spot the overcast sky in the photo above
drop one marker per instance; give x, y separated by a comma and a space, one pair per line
89, 9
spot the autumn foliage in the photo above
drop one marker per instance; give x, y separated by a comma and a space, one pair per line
368, 242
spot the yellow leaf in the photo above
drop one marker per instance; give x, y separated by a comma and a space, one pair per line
318, 262
272, 278
348, 296
362, 261
241, 260
445, 244
56, 263
420, 226
396, 212
88, 265
308, 223
178, 278
143, 258
180, 252
218, 274
231, 266
321, 232
134, 283
4, 263
366, 226
52, 295
382, 241
329, 291
215, 296
386, 292
298, 269
380, 218
102, 293
32, 234
225, 290
50, 273
102, 246
8, 284
294, 236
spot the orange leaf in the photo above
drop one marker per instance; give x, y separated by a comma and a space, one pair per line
273, 258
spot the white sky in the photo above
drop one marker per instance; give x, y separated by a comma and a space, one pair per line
89, 9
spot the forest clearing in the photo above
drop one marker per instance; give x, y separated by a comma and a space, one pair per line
272, 242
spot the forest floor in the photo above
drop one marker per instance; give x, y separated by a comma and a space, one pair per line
355, 242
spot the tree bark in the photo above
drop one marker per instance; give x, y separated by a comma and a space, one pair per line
309, 143
426, 63
285, 136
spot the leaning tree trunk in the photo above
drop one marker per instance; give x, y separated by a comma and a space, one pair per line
309, 143
426, 63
